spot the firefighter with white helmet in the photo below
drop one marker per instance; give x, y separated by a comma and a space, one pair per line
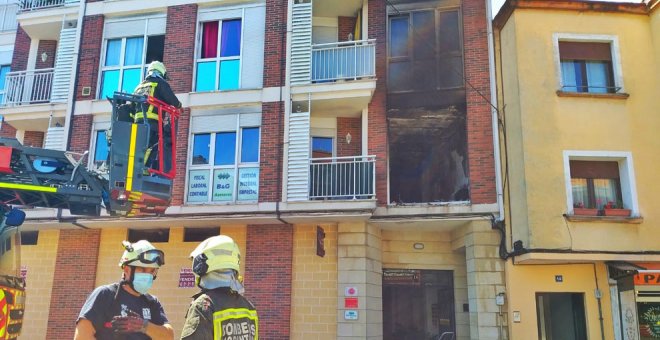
216, 264
125, 310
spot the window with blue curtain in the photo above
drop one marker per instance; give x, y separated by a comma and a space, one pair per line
225, 148
219, 62
250, 145
4, 69
101, 148
586, 67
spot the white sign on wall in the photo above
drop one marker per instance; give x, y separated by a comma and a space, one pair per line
223, 184
248, 184
198, 186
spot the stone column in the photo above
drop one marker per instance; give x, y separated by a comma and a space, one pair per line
485, 278
359, 265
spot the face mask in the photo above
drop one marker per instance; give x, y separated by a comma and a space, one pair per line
142, 282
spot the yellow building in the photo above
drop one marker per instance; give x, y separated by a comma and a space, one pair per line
578, 97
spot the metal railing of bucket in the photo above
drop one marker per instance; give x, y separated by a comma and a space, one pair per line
342, 177
28, 87
344, 60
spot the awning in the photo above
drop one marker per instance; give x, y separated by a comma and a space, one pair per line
620, 269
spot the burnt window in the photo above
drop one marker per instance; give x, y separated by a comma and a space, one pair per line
155, 48
29, 238
151, 235
199, 234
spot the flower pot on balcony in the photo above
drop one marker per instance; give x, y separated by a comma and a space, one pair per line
617, 212
585, 211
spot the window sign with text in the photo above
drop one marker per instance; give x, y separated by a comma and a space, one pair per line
223, 184
198, 186
248, 184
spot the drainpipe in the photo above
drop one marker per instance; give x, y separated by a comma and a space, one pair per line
493, 110
73, 82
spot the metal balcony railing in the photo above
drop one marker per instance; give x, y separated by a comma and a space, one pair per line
28, 87
31, 5
344, 60
342, 178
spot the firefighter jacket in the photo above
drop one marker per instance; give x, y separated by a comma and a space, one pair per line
221, 314
158, 88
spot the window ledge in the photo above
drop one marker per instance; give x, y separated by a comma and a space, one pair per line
606, 219
561, 93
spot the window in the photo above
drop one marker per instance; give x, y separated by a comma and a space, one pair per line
586, 67
151, 235
4, 69
101, 148
199, 234
219, 56
224, 166
561, 316
8, 16
425, 51
125, 62
29, 238
596, 179
322, 147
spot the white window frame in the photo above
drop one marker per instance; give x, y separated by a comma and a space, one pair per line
626, 175
203, 18
104, 46
96, 127
6, 7
613, 40
211, 167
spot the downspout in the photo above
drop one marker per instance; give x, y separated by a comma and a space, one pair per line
283, 123
494, 112
73, 83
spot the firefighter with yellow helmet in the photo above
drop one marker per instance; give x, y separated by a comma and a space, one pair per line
219, 311
125, 310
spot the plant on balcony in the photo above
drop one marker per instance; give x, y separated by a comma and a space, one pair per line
579, 209
615, 209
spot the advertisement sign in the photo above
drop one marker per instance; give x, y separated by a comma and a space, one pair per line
198, 186
223, 185
248, 184
402, 277
186, 278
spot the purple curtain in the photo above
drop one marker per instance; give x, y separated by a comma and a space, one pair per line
231, 38
210, 39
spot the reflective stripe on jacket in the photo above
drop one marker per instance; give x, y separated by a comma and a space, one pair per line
147, 88
235, 323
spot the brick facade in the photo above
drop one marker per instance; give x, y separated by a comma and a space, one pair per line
7, 131
268, 275
50, 48
179, 185
19, 59
179, 50
354, 127
81, 133
346, 26
33, 139
75, 274
378, 106
481, 163
90, 55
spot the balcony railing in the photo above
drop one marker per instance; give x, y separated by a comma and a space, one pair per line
28, 87
342, 178
31, 5
344, 60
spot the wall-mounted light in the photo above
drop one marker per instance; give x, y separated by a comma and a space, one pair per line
348, 138
418, 246
44, 57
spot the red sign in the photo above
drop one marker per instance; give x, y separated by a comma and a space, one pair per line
351, 302
648, 278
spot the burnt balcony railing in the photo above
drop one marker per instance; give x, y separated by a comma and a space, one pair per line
342, 178
28, 87
344, 60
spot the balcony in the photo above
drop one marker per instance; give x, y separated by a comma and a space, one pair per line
28, 87
342, 178
347, 60
33, 5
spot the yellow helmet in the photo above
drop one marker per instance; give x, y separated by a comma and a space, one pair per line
157, 66
215, 253
141, 254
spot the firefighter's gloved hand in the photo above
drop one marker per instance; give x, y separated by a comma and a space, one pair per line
129, 324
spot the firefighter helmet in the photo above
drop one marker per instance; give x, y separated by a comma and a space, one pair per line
157, 66
216, 253
141, 254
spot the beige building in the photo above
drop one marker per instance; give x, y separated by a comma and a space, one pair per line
578, 97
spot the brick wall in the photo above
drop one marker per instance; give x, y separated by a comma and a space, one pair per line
19, 59
268, 276
346, 26
81, 133
7, 131
378, 105
481, 164
49, 47
34, 139
90, 55
344, 126
179, 188
75, 277
272, 115
180, 46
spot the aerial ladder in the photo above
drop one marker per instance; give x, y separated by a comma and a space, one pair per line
125, 186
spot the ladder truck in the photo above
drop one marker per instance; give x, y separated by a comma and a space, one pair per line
124, 186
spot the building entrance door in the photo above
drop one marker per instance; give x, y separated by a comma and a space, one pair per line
418, 304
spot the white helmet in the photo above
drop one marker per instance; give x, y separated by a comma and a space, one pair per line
216, 253
141, 254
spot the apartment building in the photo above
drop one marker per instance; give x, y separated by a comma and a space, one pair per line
578, 87
347, 146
